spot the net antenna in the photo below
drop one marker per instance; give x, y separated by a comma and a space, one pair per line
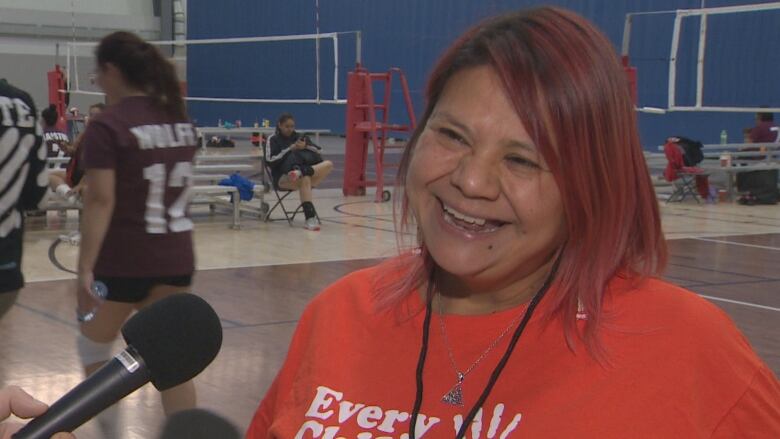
679, 14
76, 49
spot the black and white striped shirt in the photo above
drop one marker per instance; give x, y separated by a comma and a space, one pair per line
23, 175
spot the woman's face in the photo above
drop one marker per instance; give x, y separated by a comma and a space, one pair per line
110, 80
489, 210
93, 112
287, 127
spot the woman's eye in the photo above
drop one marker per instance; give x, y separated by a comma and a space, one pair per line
452, 135
524, 162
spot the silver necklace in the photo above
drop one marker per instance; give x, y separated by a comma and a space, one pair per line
455, 395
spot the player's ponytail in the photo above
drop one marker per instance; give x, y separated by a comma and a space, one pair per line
145, 68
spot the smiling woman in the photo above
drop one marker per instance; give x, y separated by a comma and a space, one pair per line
537, 233
488, 209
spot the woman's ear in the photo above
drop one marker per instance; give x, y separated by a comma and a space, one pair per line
110, 69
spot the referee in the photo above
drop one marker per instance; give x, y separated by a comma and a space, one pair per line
23, 182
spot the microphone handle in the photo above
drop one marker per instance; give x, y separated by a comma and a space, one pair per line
116, 379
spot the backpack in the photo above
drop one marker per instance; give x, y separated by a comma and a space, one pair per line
761, 187
692, 151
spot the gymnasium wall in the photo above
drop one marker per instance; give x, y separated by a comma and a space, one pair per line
742, 52
31, 30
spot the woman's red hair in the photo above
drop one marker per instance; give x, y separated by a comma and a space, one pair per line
571, 94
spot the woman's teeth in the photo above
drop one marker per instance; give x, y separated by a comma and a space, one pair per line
467, 222
464, 217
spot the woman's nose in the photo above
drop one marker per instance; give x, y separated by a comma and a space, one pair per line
477, 176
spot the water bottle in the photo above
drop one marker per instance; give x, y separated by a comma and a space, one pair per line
712, 196
724, 137
99, 291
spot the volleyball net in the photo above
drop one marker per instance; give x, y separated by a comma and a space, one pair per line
722, 59
282, 69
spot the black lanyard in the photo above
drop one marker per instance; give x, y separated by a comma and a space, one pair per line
496, 371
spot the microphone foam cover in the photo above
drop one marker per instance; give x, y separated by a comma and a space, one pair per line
198, 424
177, 337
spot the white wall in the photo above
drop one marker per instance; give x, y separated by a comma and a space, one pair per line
116, 7
31, 29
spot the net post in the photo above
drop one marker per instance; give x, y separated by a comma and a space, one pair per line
700, 60
317, 65
627, 34
359, 48
673, 58
75, 69
67, 66
335, 67
317, 45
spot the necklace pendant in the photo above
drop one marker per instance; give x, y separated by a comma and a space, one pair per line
455, 395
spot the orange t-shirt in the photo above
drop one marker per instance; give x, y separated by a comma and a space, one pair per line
678, 368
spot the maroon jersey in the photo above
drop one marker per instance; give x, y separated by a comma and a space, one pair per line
150, 234
56, 142
764, 132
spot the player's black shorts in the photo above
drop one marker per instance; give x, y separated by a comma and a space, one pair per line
11, 278
136, 289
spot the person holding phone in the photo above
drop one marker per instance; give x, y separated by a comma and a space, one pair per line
296, 164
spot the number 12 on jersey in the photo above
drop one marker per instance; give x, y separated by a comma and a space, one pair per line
181, 176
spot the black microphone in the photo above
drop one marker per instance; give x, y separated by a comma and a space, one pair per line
168, 343
198, 424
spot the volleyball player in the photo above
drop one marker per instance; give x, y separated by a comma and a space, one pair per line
136, 234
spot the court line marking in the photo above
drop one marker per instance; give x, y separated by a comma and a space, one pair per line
340, 209
360, 225
232, 323
727, 221
733, 214
47, 315
53, 257
742, 244
739, 302
699, 234
261, 324
681, 280
725, 284
733, 218
731, 273
231, 267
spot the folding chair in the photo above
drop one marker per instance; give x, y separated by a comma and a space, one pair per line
280, 193
683, 178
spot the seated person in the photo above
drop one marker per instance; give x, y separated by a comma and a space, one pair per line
68, 184
765, 130
57, 142
746, 135
759, 187
296, 164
